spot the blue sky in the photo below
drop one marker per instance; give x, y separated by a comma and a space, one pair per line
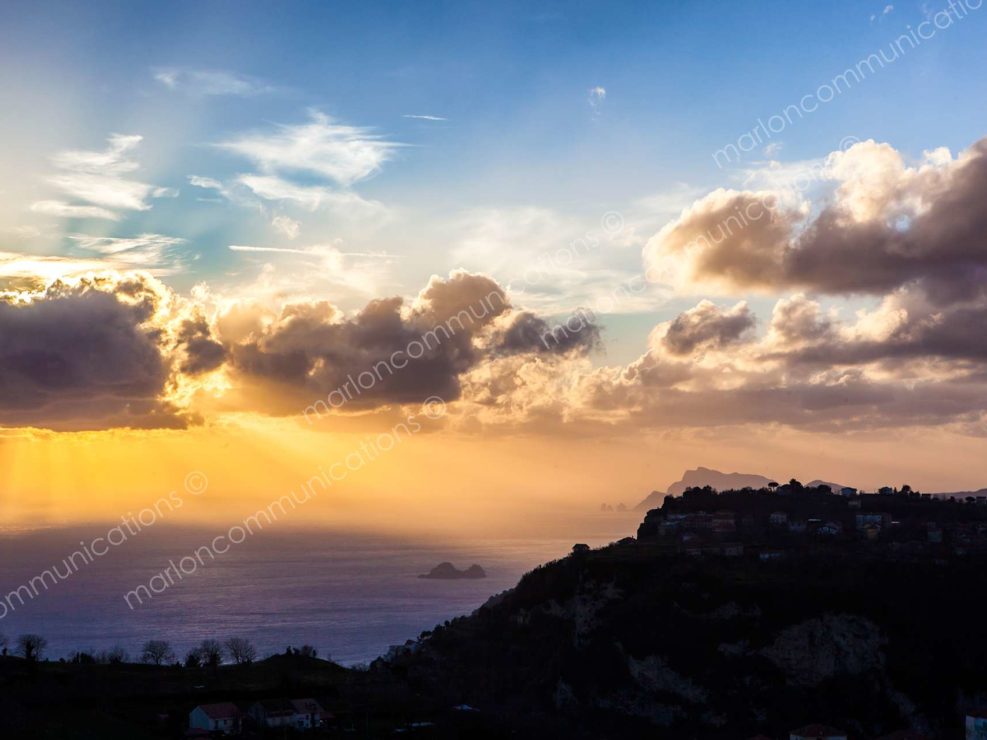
554, 115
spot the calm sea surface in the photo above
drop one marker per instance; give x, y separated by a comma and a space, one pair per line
351, 596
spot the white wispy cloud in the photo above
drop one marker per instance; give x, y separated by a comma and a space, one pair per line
281, 250
156, 253
337, 152
308, 272
310, 197
207, 82
596, 96
424, 117
66, 210
99, 178
287, 226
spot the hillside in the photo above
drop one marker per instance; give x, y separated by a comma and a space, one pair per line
639, 639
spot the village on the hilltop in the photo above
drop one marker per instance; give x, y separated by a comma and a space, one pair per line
783, 519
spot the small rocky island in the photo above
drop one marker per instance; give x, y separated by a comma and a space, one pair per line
448, 571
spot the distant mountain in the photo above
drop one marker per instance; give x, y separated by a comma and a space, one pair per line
653, 501
448, 571
962, 494
720, 481
834, 487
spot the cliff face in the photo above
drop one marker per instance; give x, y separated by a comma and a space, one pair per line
623, 643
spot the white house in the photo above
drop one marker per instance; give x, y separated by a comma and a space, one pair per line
309, 713
817, 732
223, 717
976, 726
302, 714
273, 712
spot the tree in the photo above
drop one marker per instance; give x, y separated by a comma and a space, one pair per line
114, 656
240, 650
308, 651
192, 659
157, 652
210, 653
3, 644
31, 646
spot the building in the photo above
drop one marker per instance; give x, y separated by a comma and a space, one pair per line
847, 491
223, 717
273, 713
976, 726
872, 531
778, 519
302, 714
724, 521
829, 529
309, 713
865, 520
817, 732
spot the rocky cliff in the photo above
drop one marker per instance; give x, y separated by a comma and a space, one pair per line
629, 642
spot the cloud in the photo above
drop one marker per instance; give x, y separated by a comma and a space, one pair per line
909, 236
66, 210
322, 147
395, 352
425, 117
96, 352
312, 272
286, 226
596, 96
99, 178
309, 197
157, 253
884, 225
203, 83
707, 327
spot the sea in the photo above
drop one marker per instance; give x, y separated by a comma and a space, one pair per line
350, 595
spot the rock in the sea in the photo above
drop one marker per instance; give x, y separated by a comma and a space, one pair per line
449, 571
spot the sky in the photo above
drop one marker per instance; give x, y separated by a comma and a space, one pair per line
622, 239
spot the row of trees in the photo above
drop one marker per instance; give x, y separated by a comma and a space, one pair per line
209, 653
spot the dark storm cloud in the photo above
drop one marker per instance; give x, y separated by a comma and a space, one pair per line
707, 326
77, 355
527, 332
202, 352
390, 352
